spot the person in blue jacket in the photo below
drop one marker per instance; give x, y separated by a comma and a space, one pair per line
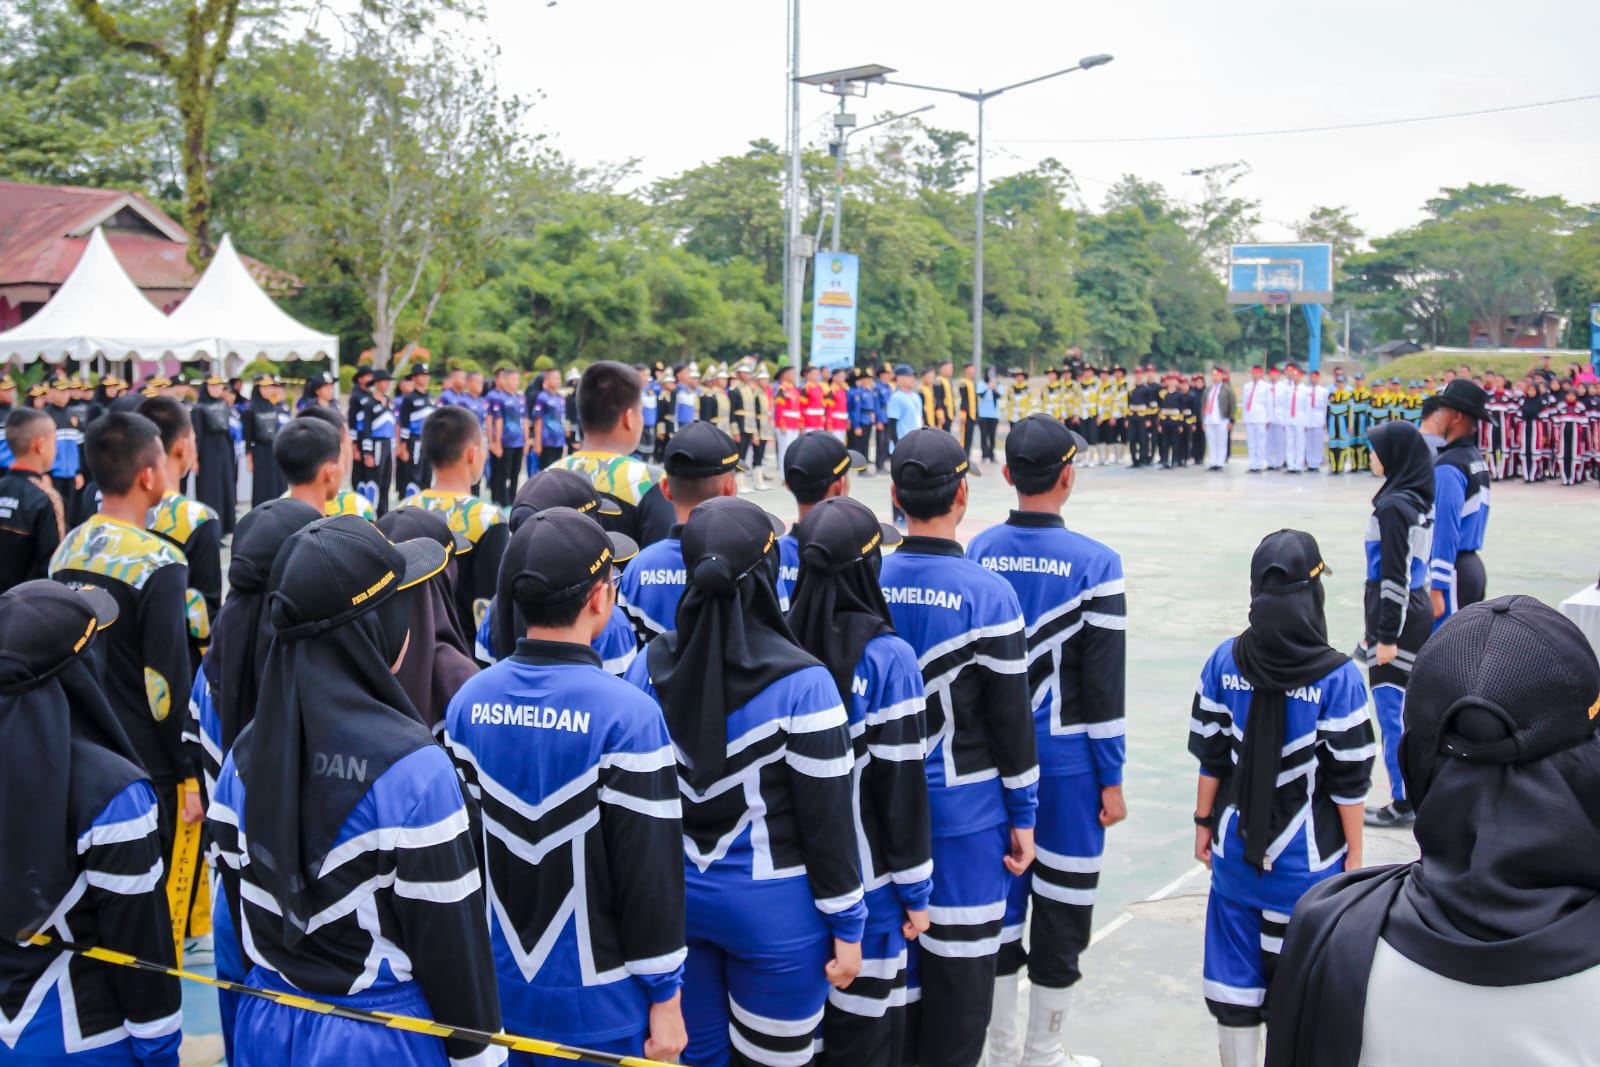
1283, 733
882, 389
775, 906
1074, 601
1399, 541
340, 828
840, 616
1460, 501
702, 463
862, 402
966, 626
815, 467
83, 855
583, 829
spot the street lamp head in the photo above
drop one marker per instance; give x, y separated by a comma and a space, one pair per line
1090, 62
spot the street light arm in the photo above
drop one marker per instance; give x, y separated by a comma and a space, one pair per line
932, 89
1032, 81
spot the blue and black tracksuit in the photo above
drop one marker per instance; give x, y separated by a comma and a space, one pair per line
1074, 601
965, 624
1398, 612
1461, 519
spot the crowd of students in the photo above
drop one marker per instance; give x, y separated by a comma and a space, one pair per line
635, 766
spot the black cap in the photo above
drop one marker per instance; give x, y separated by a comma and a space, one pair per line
726, 538
559, 489
840, 531
1042, 444
927, 459
339, 567
1467, 397
408, 521
815, 460
381, 375
44, 626
316, 381
1285, 560
700, 450
417, 370
559, 553
1509, 680
364, 370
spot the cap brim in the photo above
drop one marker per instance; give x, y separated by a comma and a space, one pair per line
102, 603
858, 462
779, 527
891, 534
424, 558
608, 507
623, 547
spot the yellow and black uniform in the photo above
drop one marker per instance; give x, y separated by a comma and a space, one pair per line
349, 502
1172, 409
143, 661
967, 407
1018, 401
484, 529
196, 531
932, 406
647, 516
1053, 399
944, 392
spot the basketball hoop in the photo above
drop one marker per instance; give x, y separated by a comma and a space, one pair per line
1275, 298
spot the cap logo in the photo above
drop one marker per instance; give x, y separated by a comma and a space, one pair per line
1594, 709
730, 459
961, 468
372, 590
772, 539
839, 468
605, 555
588, 505
84, 640
1318, 569
872, 544
1072, 450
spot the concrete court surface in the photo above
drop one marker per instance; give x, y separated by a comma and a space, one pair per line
1186, 537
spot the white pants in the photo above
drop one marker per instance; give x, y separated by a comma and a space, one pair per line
1216, 444
1255, 436
1316, 443
785, 439
1294, 441
1275, 445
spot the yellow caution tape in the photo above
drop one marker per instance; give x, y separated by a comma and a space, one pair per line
410, 1024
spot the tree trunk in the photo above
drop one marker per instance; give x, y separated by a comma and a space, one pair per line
196, 175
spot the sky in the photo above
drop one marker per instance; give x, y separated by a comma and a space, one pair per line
674, 83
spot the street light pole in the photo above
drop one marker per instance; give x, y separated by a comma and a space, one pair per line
794, 272
981, 97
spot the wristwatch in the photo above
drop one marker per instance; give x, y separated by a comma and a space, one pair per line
1202, 820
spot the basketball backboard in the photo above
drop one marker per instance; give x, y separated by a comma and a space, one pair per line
1273, 274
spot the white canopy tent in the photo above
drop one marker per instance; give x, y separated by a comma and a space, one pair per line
241, 323
98, 311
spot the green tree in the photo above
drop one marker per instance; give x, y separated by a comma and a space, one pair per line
1115, 283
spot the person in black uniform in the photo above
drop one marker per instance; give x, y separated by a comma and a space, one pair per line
373, 431
1173, 408
216, 475
1194, 433
268, 414
411, 469
31, 519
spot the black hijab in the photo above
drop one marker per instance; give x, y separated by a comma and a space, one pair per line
1507, 891
438, 661
324, 698
731, 640
242, 632
837, 606
1285, 648
1407, 465
65, 753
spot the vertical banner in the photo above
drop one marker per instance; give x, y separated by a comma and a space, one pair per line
833, 309
1594, 336
1313, 314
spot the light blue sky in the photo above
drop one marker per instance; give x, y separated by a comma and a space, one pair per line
675, 83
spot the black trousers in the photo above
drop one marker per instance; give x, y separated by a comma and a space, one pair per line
987, 430
871, 1032
1471, 581
415, 475
1197, 444
1172, 445
1139, 441
859, 438
969, 427
374, 482
505, 474
881, 457
549, 456
405, 476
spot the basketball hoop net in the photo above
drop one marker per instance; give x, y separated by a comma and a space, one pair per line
1276, 298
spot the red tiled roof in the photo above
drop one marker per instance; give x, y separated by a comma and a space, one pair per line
44, 229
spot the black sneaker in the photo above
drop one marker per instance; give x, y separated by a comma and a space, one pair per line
1391, 816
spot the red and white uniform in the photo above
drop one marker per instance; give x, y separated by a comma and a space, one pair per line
814, 413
